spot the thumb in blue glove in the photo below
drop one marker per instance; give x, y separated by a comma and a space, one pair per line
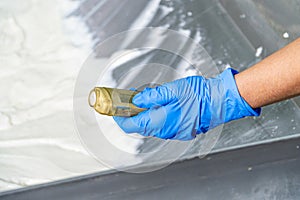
181, 109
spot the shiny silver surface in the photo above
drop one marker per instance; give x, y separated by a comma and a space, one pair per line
231, 31
239, 174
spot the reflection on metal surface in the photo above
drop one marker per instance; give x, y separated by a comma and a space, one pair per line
235, 175
231, 31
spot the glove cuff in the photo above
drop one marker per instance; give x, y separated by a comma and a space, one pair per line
236, 106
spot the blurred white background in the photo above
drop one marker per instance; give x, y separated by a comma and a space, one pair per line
41, 51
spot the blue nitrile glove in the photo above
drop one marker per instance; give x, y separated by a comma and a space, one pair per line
186, 107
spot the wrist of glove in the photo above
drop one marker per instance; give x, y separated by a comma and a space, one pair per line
181, 109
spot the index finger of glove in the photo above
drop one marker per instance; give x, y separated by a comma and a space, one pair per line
151, 97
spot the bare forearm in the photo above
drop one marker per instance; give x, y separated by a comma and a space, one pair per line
274, 79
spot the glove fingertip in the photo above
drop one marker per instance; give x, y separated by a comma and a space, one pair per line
119, 120
123, 123
138, 100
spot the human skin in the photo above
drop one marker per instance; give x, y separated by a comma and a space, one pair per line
274, 79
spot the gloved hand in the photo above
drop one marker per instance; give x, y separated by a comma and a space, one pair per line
186, 107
